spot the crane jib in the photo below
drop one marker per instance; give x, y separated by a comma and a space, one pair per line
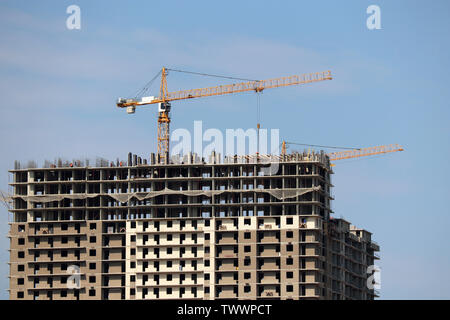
257, 86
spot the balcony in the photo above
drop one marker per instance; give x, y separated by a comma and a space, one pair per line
269, 278
227, 239
227, 227
227, 281
268, 226
227, 293
373, 245
227, 266
269, 239
268, 250
267, 264
270, 292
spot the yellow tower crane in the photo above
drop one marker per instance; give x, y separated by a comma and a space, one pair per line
353, 152
165, 97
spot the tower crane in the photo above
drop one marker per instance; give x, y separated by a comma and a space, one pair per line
165, 98
352, 152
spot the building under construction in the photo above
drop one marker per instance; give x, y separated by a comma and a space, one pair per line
186, 229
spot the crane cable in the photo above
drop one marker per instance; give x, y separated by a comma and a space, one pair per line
258, 108
211, 75
147, 86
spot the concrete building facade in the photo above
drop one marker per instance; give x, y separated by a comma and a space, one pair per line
191, 229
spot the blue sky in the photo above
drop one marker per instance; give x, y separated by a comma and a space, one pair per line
58, 89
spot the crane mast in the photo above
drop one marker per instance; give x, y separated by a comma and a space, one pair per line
163, 119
